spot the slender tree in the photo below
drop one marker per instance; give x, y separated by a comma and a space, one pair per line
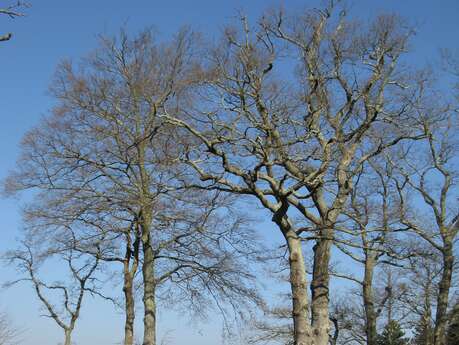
67, 311
369, 235
423, 276
432, 179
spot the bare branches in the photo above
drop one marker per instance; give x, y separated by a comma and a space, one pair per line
82, 277
298, 144
153, 146
431, 179
12, 11
111, 184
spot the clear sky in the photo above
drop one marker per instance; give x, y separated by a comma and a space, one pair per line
53, 30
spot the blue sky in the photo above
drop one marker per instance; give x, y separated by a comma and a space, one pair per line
53, 30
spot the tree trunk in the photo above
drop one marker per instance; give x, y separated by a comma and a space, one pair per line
68, 337
129, 309
301, 324
320, 289
368, 300
129, 271
148, 268
441, 317
427, 317
149, 321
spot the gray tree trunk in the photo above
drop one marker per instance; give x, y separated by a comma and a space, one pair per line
320, 290
129, 309
148, 267
368, 299
68, 337
441, 316
301, 324
148, 272
129, 270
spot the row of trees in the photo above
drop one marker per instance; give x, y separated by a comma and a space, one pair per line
154, 148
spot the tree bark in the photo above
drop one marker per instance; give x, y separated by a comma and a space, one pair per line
148, 272
301, 324
148, 268
129, 271
320, 289
68, 337
441, 316
129, 309
368, 299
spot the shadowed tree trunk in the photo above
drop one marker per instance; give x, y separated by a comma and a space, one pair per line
149, 299
130, 266
320, 290
129, 309
441, 315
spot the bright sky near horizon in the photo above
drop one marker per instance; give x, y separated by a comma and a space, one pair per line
53, 30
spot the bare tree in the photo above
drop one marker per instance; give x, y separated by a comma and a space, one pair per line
420, 302
104, 167
296, 144
370, 236
431, 175
12, 11
121, 245
67, 311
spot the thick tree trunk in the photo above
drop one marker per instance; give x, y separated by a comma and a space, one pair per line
149, 321
301, 324
441, 316
368, 300
320, 289
68, 337
148, 267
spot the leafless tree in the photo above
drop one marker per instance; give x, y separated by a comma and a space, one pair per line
370, 236
297, 143
104, 168
12, 11
121, 245
67, 311
430, 176
420, 301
